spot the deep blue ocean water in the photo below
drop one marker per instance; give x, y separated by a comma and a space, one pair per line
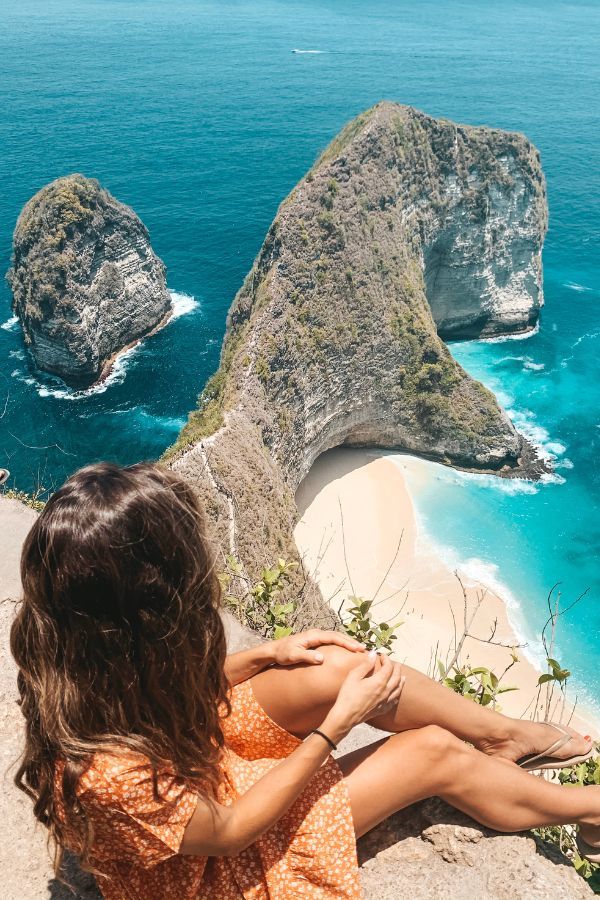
200, 116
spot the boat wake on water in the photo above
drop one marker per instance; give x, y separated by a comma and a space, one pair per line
580, 288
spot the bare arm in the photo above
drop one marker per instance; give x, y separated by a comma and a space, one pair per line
288, 651
216, 830
243, 665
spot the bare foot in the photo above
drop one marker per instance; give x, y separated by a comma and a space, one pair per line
531, 738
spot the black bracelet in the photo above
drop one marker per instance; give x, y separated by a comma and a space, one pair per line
325, 738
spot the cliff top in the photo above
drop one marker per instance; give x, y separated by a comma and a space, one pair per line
357, 226
481, 146
49, 228
67, 202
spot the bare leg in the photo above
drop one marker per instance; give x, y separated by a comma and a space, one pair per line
299, 697
432, 762
426, 702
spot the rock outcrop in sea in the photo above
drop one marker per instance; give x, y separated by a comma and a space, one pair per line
86, 283
407, 230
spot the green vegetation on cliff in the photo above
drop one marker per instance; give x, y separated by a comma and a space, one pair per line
43, 232
334, 337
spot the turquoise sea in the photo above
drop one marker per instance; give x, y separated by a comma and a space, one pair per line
200, 116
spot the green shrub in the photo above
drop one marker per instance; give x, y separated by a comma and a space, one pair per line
478, 684
326, 221
359, 624
260, 604
34, 500
564, 836
262, 369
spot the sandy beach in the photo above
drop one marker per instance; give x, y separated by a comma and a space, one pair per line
358, 535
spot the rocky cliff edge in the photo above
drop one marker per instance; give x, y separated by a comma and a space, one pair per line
428, 852
407, 230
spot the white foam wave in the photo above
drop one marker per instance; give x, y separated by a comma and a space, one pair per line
510, 486
20, 375
10, 324
503, 359
54, 387
555, 447
564, 464
548, 449
182, 304
500, 339
17, 354
47, 386
173, 423
477, 572
505, 400
524, 420
552, 478
448, 475
588, 336
480, 572
116, 376
295, 50
528, 362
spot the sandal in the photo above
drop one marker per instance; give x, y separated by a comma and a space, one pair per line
591, 852
545, 760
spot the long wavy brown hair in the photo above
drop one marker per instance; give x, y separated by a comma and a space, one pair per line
118, 639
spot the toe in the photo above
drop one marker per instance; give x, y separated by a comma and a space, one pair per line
579, 745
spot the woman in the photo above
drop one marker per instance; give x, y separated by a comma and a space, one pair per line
174, 771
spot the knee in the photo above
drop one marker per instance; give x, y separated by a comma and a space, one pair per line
436, 743
338, 661
437, 757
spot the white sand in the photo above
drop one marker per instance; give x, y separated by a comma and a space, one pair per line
355, 506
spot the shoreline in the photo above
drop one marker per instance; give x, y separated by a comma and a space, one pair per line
111, 368
172, 313
354, 507
110, 363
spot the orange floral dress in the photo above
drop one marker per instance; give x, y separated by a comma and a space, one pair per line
309, 853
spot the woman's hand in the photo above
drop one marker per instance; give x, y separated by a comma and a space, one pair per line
287, 651
300, 648
370, 689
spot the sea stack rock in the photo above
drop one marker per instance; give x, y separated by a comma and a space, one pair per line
86, 283
407, 230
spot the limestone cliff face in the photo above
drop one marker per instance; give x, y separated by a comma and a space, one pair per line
482, 252
85, 281
407, 229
